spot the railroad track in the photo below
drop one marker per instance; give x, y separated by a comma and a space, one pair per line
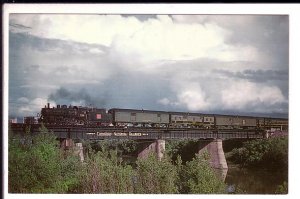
99, 133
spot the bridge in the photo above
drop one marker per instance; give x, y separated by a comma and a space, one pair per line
209, 140
137, 133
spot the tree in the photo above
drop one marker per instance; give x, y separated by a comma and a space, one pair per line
270, 153
186, 149
197, 177
36, 165
104, 173
156, 176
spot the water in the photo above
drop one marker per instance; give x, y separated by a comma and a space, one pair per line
254, 181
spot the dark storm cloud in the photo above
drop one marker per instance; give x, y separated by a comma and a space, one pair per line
40, 66
135, 90
257, 75
57, 76
270, 35
19, 26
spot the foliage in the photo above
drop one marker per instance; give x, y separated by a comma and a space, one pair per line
269, 153
198, 177
122, 146
35, 165
185, 148
70, 171
104, 173
230, 144
156, 176
282, 189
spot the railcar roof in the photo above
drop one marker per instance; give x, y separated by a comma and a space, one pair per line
137, 110
188, 113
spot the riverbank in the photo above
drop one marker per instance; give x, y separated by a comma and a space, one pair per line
258, 180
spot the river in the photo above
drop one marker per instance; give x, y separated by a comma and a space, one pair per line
254, 181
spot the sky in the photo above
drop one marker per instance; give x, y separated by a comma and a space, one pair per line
231, 64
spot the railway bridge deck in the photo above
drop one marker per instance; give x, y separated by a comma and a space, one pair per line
137, 133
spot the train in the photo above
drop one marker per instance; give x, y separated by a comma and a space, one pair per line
74, 115
78, 115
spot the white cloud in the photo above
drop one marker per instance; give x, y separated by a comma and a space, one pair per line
240, 94
168, 102
222, 20
99, 29
194, 100
154, 39
96, 51
32, 107
209, 93
162, 39
189, 95
164, 101
23, 100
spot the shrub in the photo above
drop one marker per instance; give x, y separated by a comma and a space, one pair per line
154, 176
282, 189
198, 177
104, 173
36, 165
270, 153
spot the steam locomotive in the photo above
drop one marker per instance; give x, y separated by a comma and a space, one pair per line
74, 115
78, 115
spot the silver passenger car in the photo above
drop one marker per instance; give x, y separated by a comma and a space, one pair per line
230, 121
123, 117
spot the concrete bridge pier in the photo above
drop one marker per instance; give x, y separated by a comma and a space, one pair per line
146, 147
68, 144
217, 158
79, 151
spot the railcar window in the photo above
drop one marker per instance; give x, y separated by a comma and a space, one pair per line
133, 114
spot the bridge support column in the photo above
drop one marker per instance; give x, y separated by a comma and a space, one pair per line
217, 158
68, 144
152, 146
79, 151
266, 134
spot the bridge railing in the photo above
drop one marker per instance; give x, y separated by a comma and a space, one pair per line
100, 133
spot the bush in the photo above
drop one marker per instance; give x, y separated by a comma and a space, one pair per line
104, 173
154, 176
36, 165
198, 177
186, 148
282, 189
269, 153
123, 147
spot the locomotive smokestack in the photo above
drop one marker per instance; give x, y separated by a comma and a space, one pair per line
48, 105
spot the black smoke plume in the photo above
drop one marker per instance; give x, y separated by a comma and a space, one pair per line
65, 96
